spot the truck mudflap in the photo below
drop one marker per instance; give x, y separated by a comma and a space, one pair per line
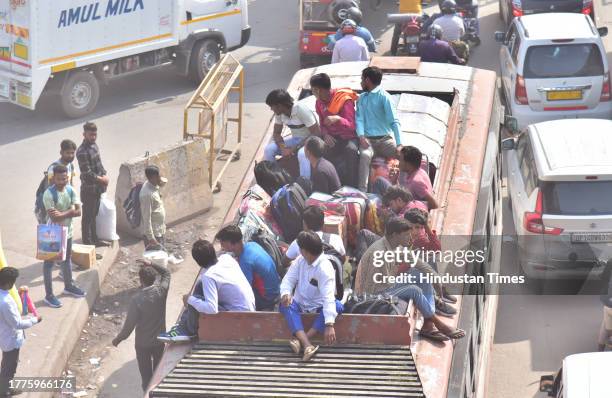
273, 370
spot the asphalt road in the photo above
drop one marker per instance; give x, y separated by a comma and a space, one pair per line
144, 113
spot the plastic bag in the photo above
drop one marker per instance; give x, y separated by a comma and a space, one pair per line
51, 242
158, 257
106, 221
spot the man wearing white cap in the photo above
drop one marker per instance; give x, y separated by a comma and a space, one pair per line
153, 214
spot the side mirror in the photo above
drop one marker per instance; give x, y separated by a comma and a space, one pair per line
508, 144
500, 37
603, 31
511, 124
547, 384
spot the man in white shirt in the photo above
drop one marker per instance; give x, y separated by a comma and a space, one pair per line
309, 287
301, 120
222, 287
452, 25
314, 220
11, 330
351, 47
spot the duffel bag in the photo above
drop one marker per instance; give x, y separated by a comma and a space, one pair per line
327, 202
375, 304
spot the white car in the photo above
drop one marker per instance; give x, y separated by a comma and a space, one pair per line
554, 66
582, 376
560, 189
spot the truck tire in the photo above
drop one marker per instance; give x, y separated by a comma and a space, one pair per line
204, 56
337, 10
80, 94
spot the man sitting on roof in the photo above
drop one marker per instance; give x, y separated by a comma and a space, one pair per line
222, 287
302, 122
377, 124
412, 177
309, 287
375, 266
323, 173
257, 265
336, 111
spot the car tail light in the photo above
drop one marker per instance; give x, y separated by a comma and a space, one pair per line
520, 91
533, 220
605, 89
517, 8
587, 7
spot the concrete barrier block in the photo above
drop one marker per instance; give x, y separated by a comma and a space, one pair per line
187, 192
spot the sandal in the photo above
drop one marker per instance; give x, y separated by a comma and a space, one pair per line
295, 345
456, 334
449, 298
433, 334
309, 352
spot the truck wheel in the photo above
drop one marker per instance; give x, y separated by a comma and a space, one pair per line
397, 30
338, 10
80, 94
204, 56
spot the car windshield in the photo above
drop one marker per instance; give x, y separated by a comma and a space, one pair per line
578, 198
568, 60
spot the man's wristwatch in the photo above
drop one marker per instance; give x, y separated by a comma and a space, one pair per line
331, 324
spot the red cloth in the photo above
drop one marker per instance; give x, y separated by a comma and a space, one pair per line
344, 128
427, 241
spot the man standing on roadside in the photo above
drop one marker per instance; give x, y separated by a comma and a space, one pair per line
152, 210
147, 314
67, 151
94, 182
62, 204
377, 123
11, 330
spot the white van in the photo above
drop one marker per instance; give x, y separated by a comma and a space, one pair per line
71, 48
582, 376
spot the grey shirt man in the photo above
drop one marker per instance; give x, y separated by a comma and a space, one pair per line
147, 312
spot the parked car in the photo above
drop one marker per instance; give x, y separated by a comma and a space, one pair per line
508, 9
554, 66
582, 376
559, 177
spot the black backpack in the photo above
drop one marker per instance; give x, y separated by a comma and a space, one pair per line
270, 245
375, 304
131, 205
270, 176
337, 261
288, 204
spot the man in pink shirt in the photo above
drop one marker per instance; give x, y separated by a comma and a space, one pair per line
336, 111
397, 201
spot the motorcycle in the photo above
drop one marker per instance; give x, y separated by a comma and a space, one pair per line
408, 29
470, 22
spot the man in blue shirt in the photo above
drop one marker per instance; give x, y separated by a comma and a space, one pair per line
376, 121
354, 14
257, 265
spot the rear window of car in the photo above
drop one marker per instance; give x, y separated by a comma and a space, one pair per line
577, 198
567, 60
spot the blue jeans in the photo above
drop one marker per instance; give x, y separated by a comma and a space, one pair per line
293, 315
190, 317
66, 271
272, 150
422, 294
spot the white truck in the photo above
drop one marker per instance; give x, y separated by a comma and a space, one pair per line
69, 48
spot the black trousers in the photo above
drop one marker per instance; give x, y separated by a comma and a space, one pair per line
8, 369
148, 358
345, 156
91, 205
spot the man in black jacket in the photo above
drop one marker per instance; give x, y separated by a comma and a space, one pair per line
147, 313
94, 182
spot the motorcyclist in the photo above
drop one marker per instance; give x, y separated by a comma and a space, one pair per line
434, 49
472, 7
452, 25
356, 15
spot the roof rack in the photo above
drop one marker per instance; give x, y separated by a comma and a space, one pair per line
397, 64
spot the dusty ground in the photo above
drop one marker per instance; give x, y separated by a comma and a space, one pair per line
110, 308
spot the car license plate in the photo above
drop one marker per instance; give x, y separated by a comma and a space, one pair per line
412, 39
591, 237
564, 95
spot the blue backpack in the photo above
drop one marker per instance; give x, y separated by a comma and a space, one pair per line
131, 205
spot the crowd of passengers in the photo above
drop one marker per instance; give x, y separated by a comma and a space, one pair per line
334, 147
